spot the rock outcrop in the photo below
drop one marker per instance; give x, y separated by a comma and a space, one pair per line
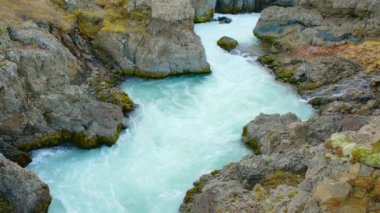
340, 175
42, 102
318, 23
21, 190
151, 47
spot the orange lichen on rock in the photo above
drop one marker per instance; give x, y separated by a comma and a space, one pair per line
366, 54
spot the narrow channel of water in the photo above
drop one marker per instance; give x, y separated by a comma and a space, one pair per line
184, 127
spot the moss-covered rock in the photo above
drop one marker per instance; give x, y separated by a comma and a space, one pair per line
279, 177
80, 139
204, 18
198, 186
107, 92
227, 43
279, 69
5, 206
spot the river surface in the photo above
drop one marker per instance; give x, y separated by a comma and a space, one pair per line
184, 127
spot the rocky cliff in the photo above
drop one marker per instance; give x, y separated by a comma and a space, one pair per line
60, 65
329, 51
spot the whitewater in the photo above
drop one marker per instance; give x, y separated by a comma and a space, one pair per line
182, 128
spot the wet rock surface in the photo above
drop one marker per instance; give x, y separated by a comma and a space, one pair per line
227, 43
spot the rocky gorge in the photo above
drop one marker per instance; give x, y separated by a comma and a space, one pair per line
61, 63
328, 50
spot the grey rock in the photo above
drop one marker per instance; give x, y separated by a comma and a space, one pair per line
13, 154
204, 10
22, 188
318, 23
276, 133
162, 49
39, 98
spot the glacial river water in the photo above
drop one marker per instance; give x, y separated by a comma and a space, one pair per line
184, 127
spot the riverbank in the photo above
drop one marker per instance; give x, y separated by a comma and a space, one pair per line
329, 163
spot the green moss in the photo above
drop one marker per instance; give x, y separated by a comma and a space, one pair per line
198, 186
279, 177
370, 157
205, 18
274, 63
79, 139
227, 43
154, 75
107, 93
89, 23
5, 206
255, 146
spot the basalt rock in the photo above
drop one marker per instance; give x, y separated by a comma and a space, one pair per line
21, 190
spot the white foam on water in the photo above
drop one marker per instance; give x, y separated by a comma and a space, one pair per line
184, 127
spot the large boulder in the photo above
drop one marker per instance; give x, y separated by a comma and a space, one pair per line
21, 190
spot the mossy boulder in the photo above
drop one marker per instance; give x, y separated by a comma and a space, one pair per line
227, 43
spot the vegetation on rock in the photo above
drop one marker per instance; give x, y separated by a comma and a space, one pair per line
227, 43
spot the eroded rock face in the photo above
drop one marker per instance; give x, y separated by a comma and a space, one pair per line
156, 49
43, 102
21, 189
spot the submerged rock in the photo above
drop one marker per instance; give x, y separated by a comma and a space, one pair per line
227, 43
224, 20
21, 190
